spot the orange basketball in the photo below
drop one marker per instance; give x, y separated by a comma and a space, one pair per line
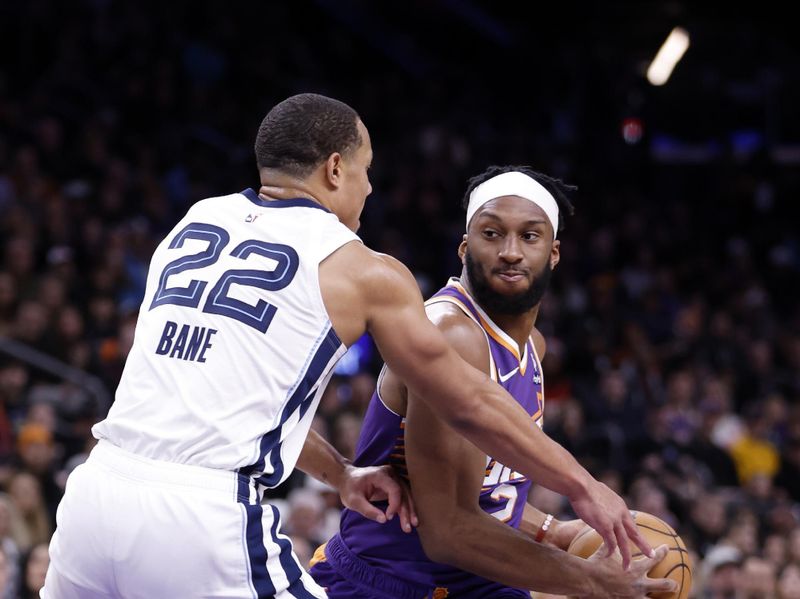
675, 566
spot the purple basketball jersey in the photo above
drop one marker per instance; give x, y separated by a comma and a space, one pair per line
386, 547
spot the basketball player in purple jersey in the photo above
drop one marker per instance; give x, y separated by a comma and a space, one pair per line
463, 497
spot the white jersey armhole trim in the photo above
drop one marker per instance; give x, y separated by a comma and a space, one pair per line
276, 420
378, 392
316, 293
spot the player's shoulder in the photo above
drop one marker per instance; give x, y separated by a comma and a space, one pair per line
384, 265
369, 261
379, 275
447, 316
461, 331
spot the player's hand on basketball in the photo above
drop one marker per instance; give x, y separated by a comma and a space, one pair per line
606, 512
613, 582
360, 486
563, 531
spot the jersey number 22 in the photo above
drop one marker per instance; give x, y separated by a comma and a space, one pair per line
218, 301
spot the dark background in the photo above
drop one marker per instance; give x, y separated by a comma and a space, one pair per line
673, 328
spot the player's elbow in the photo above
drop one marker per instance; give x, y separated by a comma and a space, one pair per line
444, 541
436, 543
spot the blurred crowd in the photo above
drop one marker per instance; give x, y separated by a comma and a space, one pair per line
672, 322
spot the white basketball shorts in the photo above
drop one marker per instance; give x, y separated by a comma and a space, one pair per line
131, 527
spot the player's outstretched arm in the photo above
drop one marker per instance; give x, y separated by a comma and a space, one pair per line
446, 473
470, 402
358, 486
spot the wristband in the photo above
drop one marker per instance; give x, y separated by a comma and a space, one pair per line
543, 528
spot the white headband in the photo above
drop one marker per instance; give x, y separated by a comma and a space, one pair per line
514, 183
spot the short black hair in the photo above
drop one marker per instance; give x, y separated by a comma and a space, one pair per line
557, 188
298, 134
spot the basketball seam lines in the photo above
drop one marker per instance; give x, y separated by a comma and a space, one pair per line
681, 551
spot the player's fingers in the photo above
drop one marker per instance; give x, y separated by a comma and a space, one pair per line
659, 553
366, 509
609, 540
660, 585
394, 495
408, 512
378, 495
635, 535
600, 551
412, 508
405, 517
624, 548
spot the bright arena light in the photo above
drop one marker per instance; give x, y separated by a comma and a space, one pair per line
669, 54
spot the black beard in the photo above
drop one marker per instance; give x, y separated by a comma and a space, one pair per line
493, 302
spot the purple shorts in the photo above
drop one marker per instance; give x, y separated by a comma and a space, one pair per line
346, 576
487, 591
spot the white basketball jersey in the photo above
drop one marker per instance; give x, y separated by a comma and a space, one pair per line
233, 345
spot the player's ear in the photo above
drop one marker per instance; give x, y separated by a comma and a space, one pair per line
555, 253
462, 248
333, 170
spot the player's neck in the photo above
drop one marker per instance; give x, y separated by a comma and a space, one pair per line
280, 186
518, 326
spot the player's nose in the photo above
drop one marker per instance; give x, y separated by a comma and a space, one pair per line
511, 250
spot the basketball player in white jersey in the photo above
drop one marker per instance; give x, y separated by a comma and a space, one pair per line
250, 302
